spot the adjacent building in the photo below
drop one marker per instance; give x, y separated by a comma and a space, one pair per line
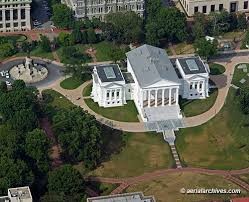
19, 194
100, 8
129, 197
206, 6
15, 15
153, 81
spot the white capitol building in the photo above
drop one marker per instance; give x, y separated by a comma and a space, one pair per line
153, 82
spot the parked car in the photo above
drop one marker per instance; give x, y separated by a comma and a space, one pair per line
36, 23
8, 83
2, 73
7, 76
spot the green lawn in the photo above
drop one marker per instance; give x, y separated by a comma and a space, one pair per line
126, 113
56, 100
184, 48
143, 152
87, 90
17, 37
38, 52
216, 69
238, 75
102, 188
196, 107
70, 83
221, 143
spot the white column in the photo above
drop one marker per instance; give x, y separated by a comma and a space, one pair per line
156, 92
4, 19
27, 17
163, 97
19, 17
148, 98
11, 20
170, 96
198, 86
177, 95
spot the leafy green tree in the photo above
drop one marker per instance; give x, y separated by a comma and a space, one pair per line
72, 55
79, 135
6, 50
79, 72
242, 23
45, 43
205, 48
91, 36
18, 85
199, 25
117, 54
37, 147
13, 173
124, 27
233, 21
65, 180
76, 35
64, 39
26, 47
244, 100
62, 16
84, 37
3, 87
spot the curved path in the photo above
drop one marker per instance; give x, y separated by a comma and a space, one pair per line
222, 81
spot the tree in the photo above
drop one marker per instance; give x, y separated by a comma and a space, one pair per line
117, 54
3, 87
45, 43
206, 48
18, 85
72, 55
91, 36
65, 180
64, 39
124, 27
242, 23
76, 35
7, 49
199, 25
26, 47
244, 100
62, 16
79, 72
79, 135
13, 173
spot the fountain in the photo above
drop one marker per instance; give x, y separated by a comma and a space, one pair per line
29, 71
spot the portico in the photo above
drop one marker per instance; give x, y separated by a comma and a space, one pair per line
160, 97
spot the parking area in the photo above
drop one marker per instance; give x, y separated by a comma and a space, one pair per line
41, 14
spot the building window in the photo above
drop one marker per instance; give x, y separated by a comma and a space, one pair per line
108, 95
15, 24
196, 9
196, 86
112, 93
191, 95
23, 24
204, 9
220, 7
212, 8
191, 86
129, 90
245, 4
200, 85
117, 93
7, 25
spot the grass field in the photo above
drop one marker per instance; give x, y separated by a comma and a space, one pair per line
238, 75
143, 152
196, 107
245, 177
216, 69
184, 48
126, 113
70, 83
221, 143
167, 188
87, 90
56, 100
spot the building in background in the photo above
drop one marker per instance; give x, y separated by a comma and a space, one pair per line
207, 6
19, 194
15, 15
129, 197
100, 8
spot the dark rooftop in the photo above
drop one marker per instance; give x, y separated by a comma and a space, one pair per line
192, 65
128, 77
109, 73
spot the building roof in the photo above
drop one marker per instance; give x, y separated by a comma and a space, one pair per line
4, 199
109, 73
128, 77
128, 197
151, 65
21, 193
192, 65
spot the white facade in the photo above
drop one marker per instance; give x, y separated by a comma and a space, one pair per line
19, 194
15, 15
108, 93
157, 83
206, 6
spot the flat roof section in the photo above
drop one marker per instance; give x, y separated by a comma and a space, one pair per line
128, 197
109, 73
192, 65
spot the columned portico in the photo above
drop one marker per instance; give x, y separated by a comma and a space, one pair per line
160, 97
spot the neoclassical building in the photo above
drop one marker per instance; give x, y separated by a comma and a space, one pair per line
153, 81
15, 15
206, 6
100, 8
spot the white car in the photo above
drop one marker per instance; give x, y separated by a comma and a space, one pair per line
2, 73
36, 23
8, 83
7, 76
